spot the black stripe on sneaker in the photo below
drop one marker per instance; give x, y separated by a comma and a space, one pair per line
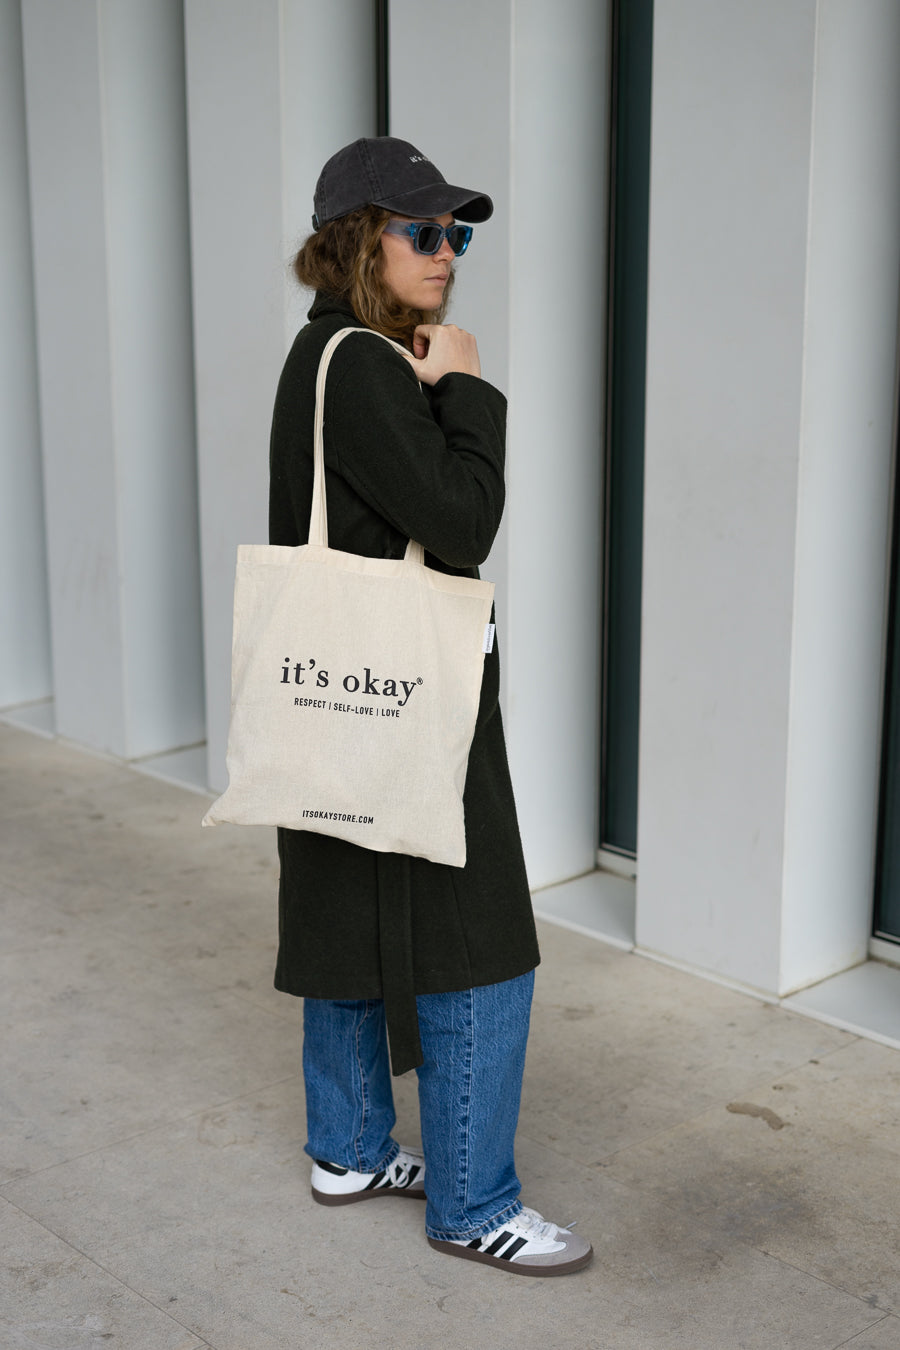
378, 1180
501, 1241
513, 1248
332, 1168
409, 1178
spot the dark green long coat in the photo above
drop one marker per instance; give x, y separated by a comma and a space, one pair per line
428, 464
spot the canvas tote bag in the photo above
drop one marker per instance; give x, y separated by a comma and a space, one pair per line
355, 688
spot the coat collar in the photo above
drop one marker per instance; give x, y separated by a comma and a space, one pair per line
329, 304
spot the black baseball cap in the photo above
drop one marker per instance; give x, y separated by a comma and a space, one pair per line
384, 171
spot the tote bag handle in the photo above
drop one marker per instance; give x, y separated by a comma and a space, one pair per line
318, 516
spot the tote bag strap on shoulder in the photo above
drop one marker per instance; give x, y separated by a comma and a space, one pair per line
318, 516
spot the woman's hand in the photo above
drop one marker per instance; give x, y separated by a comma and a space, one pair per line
442, 348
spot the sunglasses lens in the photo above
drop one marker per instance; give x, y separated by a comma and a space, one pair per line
428, 238
458, 238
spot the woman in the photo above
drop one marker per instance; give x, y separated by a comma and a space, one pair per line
440, 958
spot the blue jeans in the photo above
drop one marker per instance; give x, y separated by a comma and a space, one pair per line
470, 1086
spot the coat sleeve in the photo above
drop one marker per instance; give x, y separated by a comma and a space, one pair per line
430, 463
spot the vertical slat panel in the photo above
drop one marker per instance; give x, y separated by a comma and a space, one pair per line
107, 166
25, 673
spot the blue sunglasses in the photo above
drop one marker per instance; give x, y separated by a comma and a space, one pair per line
427, 237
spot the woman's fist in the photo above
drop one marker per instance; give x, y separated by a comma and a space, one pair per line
442, 348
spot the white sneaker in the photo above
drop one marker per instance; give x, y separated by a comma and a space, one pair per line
526, 1245
333, 1185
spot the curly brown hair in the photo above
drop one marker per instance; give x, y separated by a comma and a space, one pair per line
344, 259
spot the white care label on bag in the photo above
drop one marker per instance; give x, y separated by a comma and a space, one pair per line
489, 630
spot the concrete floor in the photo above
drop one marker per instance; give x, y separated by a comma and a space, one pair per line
735, 1165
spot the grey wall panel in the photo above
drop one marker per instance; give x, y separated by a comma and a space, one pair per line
109, 206
25, 672
147, 217
729, 188
772, 359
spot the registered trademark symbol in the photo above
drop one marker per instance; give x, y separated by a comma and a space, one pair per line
419, 680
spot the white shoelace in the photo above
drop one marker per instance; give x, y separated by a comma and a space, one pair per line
402, 1165
540, 1228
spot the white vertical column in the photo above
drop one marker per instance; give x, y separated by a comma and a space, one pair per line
106, 134
775, 214
729, 187
529, 126
25, 673
274, 88
847, 438
559, 165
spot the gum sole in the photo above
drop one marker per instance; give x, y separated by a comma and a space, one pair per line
321, 1198
514, 1267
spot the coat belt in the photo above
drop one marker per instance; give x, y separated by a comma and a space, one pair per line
395, 949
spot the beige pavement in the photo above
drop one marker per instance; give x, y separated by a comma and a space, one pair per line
735, 1165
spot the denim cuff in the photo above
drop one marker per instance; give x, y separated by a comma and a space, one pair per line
443, 1235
